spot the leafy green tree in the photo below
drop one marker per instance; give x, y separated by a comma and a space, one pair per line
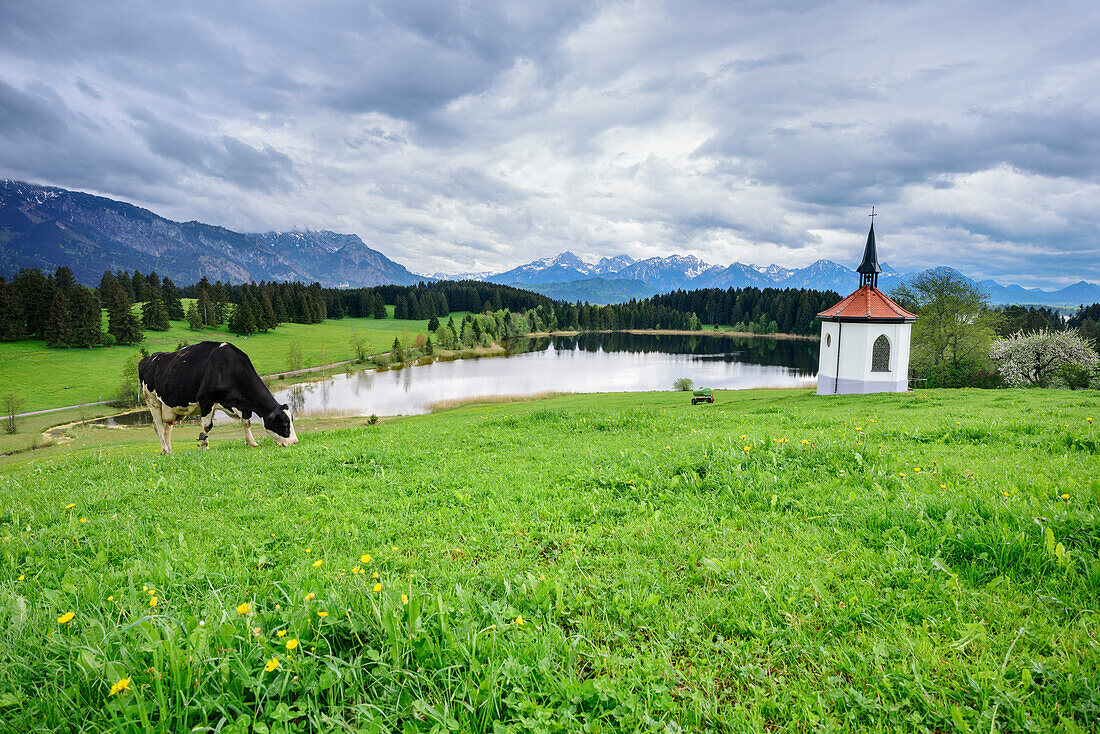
59, 325
954, 321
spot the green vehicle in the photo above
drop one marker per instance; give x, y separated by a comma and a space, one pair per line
702, 395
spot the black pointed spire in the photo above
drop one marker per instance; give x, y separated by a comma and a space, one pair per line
869, 269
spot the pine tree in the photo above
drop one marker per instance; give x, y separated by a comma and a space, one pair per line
194, 318
64, 281
379, 311
36, 294
206, 308
154, 315
141, 287
172, 301
396, 352
265, 316
12, 320
86, 318
122, 324
428, 348
59, 325
433, 323
243, 321
400, 308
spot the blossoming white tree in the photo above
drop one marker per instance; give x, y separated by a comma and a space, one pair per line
1043, 358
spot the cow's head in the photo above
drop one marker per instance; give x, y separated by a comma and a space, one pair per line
279, 425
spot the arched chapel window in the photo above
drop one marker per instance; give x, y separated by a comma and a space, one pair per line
880, 355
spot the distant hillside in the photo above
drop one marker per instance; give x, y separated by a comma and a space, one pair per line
46, 227
601, 291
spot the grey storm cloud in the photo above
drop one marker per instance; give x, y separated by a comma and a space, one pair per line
475, 136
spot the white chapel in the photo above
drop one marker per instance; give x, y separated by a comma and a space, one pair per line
865, 337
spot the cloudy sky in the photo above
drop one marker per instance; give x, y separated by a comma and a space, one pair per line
461, 136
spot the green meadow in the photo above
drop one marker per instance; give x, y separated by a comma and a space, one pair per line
775, 561
49, 378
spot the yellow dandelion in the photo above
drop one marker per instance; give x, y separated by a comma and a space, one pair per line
243, 608
375, 575
308, 550
404, 598
111, 597
66, 618
519, 621
123, 684
310, 595
292, 643
83, 519
317, 563
943, 486
271, 665
356, 570
365, 558
394, 548
901, 474
1065, 496
916, 469
70, 506
152, 601
281, 633
322, 614
378, 587
21, 577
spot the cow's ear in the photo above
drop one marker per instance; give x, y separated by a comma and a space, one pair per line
285, 407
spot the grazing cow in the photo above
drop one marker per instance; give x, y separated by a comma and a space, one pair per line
205, 377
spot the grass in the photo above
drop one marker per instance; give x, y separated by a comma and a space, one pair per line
48, 378
775, 561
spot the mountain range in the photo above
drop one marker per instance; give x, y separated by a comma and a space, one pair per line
568, 277
46, 227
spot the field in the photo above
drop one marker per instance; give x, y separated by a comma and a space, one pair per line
773, 562
50, 378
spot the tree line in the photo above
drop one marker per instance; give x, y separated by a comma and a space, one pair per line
64, 313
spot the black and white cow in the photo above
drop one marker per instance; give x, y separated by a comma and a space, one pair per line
205, 377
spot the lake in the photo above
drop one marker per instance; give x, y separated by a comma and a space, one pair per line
587, 363
595, 362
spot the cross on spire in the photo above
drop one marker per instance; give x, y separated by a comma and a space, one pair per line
869, 269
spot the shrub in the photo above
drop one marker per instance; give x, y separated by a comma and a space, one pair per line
1044, 358
683, 384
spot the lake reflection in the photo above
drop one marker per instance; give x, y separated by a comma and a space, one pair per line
587, 363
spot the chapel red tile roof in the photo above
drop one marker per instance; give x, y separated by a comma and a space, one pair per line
867, 304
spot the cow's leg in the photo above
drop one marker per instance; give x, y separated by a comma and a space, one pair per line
158, 422
248, 433
207, 413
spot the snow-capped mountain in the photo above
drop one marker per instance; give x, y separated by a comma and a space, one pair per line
558, 269
568, 276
